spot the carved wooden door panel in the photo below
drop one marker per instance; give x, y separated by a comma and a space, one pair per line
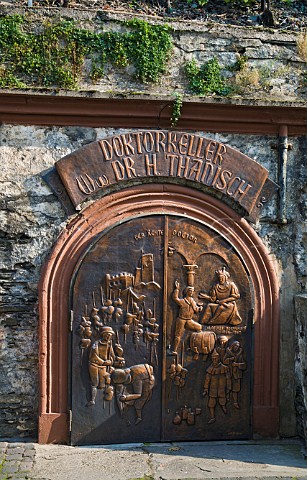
116, 348
161, 336
207, 362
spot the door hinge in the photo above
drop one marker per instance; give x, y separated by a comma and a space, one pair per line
71, 320
70, 420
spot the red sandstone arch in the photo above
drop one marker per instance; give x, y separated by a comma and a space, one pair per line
143, 200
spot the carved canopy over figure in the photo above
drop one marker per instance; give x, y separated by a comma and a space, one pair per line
222, 308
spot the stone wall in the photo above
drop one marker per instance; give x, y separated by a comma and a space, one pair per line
301, 364
273, 72
32, 218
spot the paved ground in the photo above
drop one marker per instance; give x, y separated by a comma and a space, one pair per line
168, 461
16, 460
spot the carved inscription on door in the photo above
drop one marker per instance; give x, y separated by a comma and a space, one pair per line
161, 342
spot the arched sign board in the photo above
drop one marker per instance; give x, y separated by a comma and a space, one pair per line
163, 156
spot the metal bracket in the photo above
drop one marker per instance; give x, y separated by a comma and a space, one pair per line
275, 146
70, 420
71, 320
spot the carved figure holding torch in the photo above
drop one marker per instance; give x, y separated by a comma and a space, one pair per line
187, 308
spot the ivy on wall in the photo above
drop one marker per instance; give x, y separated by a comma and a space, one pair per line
59, 54
54, 56
206, 79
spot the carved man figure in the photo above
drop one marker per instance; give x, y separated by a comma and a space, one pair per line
217, 385
151, 323
234, 359
142, 381
222, 308
119, 313
221, 346
101, 358
152, 335
107, 312
187, 308
96, 318
85, 332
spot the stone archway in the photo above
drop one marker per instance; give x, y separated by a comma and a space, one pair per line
105, 213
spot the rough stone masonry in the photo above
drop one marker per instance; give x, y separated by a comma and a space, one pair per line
32, 218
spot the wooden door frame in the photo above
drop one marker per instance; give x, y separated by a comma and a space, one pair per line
146, 200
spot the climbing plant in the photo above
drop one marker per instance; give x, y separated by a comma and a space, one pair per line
54, 55
176, 110
149, 47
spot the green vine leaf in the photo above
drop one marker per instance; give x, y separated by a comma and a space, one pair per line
55, 57
206, 79
176, 111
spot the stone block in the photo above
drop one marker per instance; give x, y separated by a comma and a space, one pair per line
25, 466
10, 467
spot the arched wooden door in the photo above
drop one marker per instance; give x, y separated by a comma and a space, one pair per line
161, 343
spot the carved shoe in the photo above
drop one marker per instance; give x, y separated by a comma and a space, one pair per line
212, 420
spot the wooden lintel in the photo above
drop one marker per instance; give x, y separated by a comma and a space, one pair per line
34, 109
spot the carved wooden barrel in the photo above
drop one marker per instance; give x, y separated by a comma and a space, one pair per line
202, 342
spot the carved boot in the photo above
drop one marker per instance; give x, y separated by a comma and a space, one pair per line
212, 420
93, 397
138, 416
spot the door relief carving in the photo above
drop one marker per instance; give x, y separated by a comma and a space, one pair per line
165, 352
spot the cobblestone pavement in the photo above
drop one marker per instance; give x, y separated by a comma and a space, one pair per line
16, 460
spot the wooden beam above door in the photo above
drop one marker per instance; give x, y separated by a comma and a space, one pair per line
141, 112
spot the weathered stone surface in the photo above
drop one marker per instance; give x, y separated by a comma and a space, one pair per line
10, 468
26, 466
210, 460
15, 456
30, 218
301, 363
199, 40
